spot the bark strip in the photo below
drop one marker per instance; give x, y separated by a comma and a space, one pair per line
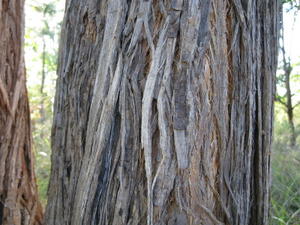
165, 115
19, 204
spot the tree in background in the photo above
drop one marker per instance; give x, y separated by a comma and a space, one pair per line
42, 33
48, 11
19, 204
284, 80
163, 113
285, 195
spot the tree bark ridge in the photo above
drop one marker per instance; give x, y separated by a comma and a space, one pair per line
163, 113
19, 204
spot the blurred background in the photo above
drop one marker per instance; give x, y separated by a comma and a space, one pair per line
285, 158
43, 22
42, 28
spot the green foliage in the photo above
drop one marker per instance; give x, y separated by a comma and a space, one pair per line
41, 137
282, 128
285, 192
287, 1
41, 42
45, 8
293, 4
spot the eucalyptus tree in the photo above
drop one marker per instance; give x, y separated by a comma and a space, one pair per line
286, 75
163, 113
19, 204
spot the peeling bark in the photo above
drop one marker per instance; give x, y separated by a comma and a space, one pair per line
19, 204
163, 113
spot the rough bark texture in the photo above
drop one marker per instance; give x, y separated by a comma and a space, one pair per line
19, 203
163, 113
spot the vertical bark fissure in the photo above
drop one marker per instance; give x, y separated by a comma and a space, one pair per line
18, 190
191, 83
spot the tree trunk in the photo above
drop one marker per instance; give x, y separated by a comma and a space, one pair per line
19, 203
289, 106
287, 71
42, 103
163, 113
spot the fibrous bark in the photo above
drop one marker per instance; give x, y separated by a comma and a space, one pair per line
19, 203
163, 113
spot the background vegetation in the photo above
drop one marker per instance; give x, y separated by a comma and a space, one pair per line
43, 20
285, 191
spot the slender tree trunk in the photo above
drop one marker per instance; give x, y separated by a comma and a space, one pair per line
163, 113
19, 203
287, 69
42, 105
289, 106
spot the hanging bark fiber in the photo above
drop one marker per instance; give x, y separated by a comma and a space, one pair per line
19, 204
163, 113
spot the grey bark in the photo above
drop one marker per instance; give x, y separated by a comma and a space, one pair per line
163, 113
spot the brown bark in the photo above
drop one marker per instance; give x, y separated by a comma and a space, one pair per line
163, 113
19, 203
